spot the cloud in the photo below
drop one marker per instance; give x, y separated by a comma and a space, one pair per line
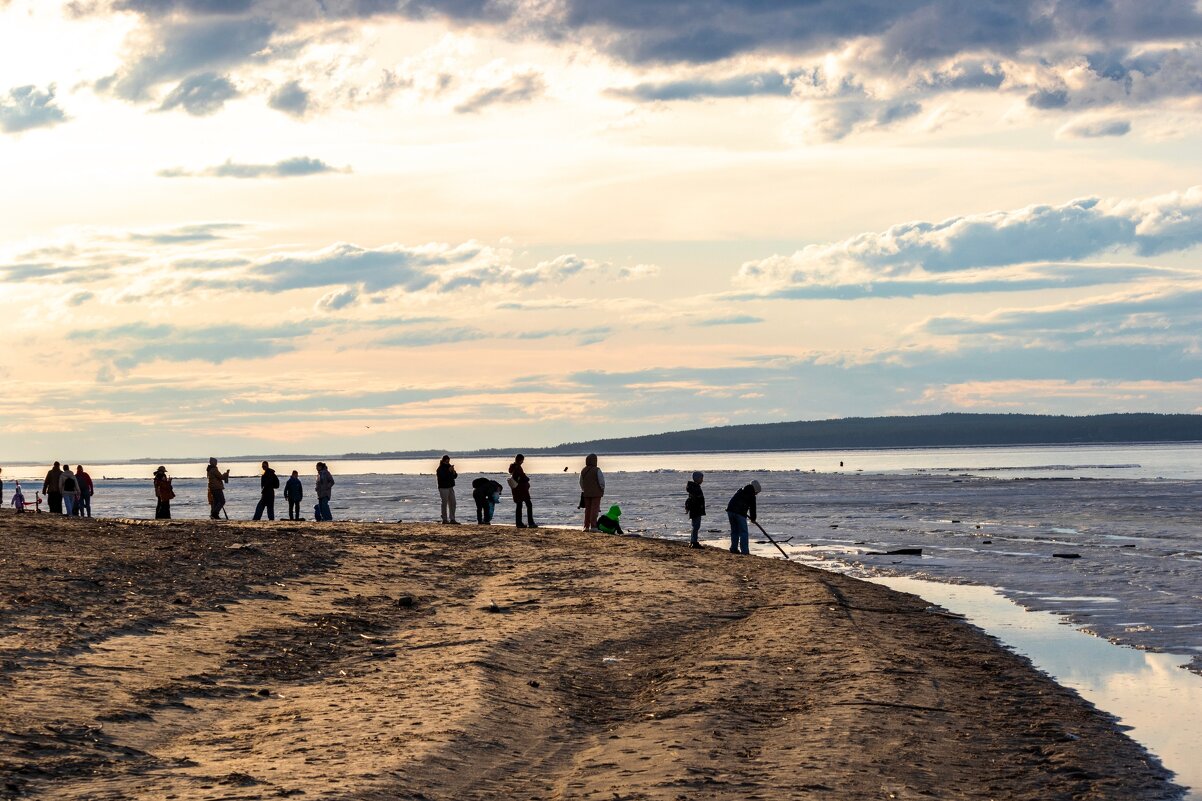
291, 98
127, 346
199, 232
933, 251
1094, 128
200, 95
338, 299
730, 319
520, 88
25, 108
746, 85
299, 166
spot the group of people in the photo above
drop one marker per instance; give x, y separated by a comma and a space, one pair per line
486, 493
71, 493
67, 492
269, 482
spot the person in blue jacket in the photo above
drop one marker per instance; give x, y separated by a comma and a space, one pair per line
741, 509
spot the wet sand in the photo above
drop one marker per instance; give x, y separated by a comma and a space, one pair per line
197, 660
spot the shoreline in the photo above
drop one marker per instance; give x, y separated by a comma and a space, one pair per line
383, 661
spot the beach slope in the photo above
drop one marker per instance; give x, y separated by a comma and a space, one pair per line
187, 660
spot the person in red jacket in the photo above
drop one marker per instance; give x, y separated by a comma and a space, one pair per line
83, 508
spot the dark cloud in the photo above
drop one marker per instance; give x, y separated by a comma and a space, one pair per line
750, 85
25, 108
298, 167
291, 98
200, 232
201, 95
520, 88
127, 346
1048, 99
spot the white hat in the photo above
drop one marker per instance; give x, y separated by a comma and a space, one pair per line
755, 485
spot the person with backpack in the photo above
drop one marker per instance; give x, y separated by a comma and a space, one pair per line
592, 490
68, 488
293, 492
163, 493
217, 481
608, 522
694, 506
269, 483
741, 509
519, 487
52, 489
325, 488
84, 507
446, 475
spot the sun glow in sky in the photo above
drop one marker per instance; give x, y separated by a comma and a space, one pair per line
239, 226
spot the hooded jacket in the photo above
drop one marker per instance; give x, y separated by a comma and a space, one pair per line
293, 489
325, 484
446, 475
217, 479
592, 480
52, 484
695, 505
608, 522
270, 482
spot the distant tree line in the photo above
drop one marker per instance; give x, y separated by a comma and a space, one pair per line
923, 431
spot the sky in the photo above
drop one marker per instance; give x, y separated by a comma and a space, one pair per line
330, 226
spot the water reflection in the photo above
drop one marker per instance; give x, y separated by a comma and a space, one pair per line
1149, 692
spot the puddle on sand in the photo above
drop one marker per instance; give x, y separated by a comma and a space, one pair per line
1151, 693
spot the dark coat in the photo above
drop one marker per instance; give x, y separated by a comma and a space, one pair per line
446, 475
294, 490
522, 491
743, 502
695, 505
270, 482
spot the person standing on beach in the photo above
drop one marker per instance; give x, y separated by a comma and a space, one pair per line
695, 506
269, 483
592, 490
293, 492
1, 486
325, 488
217, 482
446, 476
741, 509
163, 493
52, 489
18, 498
86, 488
68, 488
519, 485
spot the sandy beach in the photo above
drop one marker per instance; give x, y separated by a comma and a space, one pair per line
207, 660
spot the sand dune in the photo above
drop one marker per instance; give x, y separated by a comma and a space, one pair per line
254, 661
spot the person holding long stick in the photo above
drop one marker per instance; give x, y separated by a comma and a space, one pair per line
217, 481
741, 509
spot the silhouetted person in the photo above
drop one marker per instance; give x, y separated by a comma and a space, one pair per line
519, 485
163, 493
325, 488
53, 490
83, 508
592, 490
293, 492
485, 493
68, 489
217, 482
695, 506
446, 475
269, 483
741, 509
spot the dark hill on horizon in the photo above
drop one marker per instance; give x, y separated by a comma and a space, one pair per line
923, 431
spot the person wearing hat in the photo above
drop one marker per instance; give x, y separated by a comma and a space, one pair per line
695, 506
163, 493
592, 490
741, 509
217, 482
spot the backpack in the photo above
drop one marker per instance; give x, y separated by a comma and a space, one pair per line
69, 483
165, 491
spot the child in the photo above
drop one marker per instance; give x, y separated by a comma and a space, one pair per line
695, 506
608, 522
18, 498
293, 492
